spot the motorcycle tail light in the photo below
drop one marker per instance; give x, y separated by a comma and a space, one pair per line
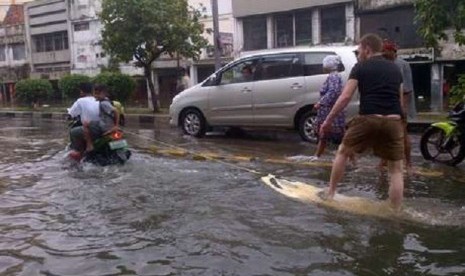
117, 135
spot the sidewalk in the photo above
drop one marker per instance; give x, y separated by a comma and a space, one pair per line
418, 125
424, 120
141, 118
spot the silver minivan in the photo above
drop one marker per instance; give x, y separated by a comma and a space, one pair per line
271, 89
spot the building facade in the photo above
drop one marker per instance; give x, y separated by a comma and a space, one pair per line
13, 59
166, 69
395, 20
47, 38
226, 24
266, 24
87, 54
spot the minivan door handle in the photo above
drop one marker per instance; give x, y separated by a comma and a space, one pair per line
296, 86
246, 90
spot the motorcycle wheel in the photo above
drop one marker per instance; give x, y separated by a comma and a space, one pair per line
122, 156
432, 147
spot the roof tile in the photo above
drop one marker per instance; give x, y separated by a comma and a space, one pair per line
14, 15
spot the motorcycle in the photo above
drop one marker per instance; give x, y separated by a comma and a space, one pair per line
109, 149
444, 142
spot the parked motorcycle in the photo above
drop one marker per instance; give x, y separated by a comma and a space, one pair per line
444, 142
108, 150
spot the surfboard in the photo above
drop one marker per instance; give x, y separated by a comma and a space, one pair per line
312, 194
436, 213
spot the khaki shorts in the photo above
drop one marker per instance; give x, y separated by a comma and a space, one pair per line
384, 135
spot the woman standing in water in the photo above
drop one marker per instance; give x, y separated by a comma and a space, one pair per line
329, 93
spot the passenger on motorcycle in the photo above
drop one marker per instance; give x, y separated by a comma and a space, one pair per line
87, 108
107, 122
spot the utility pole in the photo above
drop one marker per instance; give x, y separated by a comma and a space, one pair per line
216, 34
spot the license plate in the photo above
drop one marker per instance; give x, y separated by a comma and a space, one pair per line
118, 144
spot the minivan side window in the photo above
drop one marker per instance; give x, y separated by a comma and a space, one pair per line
313, 63
240, 72
279, 66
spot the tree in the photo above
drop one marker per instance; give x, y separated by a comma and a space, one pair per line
69, 85
32, 91
457, 93
436, 16
120, 86
145, 29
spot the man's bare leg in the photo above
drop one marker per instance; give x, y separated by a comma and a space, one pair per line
88, 137
338, 169
407, 152
396, 183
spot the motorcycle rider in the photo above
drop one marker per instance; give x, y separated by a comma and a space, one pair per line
87, 108
108, 120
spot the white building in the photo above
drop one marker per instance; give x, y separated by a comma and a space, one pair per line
13, 59
87, 54
266, 24
226, 24
47, 38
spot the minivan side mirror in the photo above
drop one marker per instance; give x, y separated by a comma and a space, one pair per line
212, 80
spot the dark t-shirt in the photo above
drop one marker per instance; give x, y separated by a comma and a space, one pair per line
379, 82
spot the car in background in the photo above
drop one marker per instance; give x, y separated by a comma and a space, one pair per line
280, 93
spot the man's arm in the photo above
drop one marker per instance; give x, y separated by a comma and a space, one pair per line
401, 98
407, 78
343, 100
75, 109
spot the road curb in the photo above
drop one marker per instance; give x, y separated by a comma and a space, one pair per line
141, 118
157, 119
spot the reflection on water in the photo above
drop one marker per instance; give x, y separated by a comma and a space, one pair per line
161, 216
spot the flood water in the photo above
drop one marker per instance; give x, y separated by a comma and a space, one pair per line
176, 216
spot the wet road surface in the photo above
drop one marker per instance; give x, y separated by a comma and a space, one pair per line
165, 214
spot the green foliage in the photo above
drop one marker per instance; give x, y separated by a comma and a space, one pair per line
146, 29
31, 91
113, 66
457, 93
69, 85
120, 86
436, 16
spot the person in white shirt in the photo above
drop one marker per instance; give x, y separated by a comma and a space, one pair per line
184, 81
87, 108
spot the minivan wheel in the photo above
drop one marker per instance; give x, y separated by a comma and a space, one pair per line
193, 123
307, 127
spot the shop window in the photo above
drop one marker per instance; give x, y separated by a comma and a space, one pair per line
284, 30
38, 44
50, 42
333, 24
19, 51
58, 42
2, 53
303, 27
293, 29
83, 26
255, 33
